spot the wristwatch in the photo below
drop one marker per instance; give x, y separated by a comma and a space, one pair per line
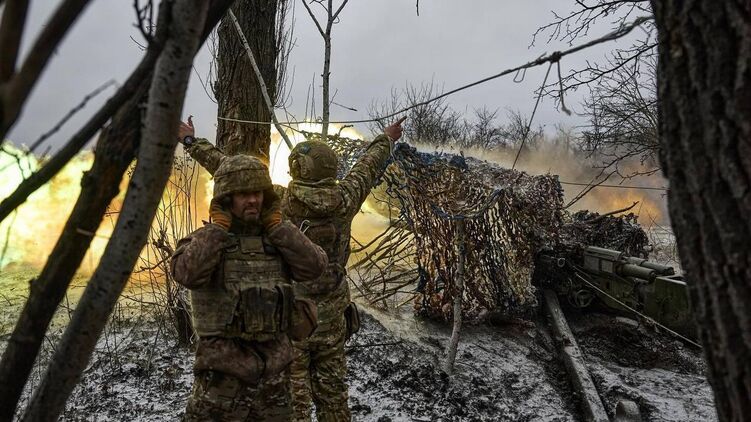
188, 140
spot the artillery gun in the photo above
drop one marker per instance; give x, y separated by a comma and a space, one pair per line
590, 275
622, 283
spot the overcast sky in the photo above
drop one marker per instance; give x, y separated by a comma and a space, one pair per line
378, 45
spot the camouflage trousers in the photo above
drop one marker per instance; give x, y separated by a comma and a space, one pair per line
221, 397
318, 376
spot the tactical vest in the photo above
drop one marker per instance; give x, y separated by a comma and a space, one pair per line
251, 296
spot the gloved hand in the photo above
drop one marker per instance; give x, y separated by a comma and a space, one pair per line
270, 218
271, 214
219, 215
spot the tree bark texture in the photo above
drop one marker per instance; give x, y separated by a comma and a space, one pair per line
326, 75
114, 152
259, 78
704, 89
155, 157
236, 88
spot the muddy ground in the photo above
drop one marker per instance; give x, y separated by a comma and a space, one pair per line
507, 372
503, 372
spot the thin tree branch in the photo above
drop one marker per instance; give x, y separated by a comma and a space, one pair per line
74, 145
312, 16
339, 10
19, 87
70, 114
601, 217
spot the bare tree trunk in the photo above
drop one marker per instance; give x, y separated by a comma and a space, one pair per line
326, 75
460, 244
236, 90
332, 16
259, 78
705, 124
152, 171
114, 152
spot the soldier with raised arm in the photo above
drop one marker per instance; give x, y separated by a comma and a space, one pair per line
323, 207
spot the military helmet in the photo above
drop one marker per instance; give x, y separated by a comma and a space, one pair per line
237, 173
312, 161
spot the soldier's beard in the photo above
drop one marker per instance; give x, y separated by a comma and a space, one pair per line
251, 215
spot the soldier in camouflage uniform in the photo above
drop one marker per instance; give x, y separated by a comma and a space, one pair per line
323, 208
239, 269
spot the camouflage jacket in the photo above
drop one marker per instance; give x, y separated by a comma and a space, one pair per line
196, 262
198, 255
338, 200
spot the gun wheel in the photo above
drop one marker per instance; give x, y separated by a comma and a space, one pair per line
581, 298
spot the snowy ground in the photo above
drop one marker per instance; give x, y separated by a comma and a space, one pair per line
509, 372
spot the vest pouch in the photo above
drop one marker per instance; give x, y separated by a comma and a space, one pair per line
352, 318
260, 310
304, 319
285, 306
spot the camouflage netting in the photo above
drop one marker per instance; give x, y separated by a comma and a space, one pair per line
620, 233
508, 215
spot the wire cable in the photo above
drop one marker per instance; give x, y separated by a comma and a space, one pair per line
550, 58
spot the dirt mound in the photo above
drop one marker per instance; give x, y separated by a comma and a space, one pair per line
626, 360
499, 375
625, 342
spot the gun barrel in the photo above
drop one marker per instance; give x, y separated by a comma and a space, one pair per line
662, 270
632, 270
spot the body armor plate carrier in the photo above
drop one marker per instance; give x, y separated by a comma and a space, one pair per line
250, 297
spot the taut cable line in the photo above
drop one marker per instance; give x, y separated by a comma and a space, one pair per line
554, 57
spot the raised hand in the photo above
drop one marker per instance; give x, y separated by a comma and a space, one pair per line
395, 130
186, 129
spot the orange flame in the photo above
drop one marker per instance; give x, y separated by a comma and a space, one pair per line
28, 235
